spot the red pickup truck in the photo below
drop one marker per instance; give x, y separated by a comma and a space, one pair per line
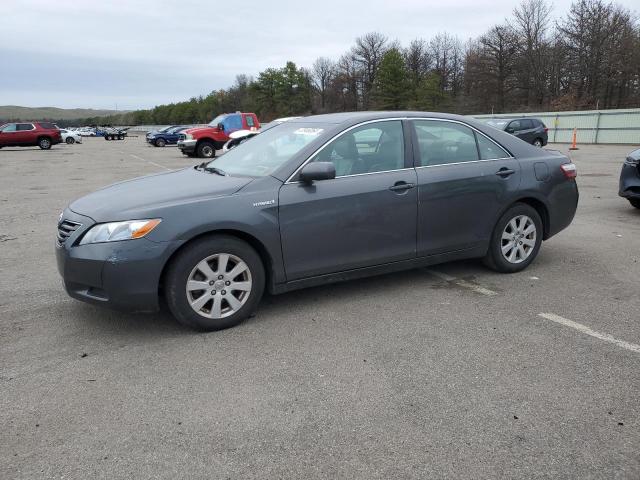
29, 134
204, 141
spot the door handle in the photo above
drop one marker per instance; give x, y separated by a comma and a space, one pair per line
401, 186
504, 172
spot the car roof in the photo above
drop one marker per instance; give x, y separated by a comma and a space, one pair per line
349, 117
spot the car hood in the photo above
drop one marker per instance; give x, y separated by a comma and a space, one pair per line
147, 196
198, 130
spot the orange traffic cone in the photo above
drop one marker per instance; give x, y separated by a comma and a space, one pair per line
573, 141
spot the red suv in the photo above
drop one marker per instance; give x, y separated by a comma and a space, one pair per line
29, 134
203, 142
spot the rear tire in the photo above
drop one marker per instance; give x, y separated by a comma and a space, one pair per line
516, 239
44, 143
209, 308
120, 137
635, 202
70, 140
160, 142
538, 143
206, 149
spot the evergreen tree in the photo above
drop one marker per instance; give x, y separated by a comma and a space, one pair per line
392, 87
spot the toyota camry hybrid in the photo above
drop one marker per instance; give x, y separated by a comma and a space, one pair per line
315, 200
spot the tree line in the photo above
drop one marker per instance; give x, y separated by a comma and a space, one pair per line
530, 62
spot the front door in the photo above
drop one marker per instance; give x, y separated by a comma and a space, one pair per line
366, 216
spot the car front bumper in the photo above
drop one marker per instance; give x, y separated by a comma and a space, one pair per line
123, 275
187, 146
629, 181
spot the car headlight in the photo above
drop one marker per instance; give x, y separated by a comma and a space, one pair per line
115, 231
188, 136
634, 162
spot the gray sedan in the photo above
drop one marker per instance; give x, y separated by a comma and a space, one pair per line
319, 199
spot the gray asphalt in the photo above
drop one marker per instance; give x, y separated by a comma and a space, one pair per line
399, 376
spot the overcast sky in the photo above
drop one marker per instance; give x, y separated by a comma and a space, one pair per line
141, 53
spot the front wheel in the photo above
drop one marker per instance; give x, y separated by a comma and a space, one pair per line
70, 140
214, 283
206, 150
44, 143
516, 239
160, 142
635, 202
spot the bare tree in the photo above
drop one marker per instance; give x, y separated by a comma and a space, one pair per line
322, 72
367, 53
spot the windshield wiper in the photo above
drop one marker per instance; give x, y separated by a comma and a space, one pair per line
204, 166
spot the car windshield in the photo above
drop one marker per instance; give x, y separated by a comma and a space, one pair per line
217, 120
497, 123
266, 152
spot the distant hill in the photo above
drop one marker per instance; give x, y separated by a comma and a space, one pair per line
13, 112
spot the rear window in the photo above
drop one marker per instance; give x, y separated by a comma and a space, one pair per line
21, 127
47, 125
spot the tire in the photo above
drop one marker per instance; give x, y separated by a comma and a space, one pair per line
120, 137
206, 149
70, 140
160, 142
635, 202
107, 137
186, 268
522, 217
538, 143
44, 143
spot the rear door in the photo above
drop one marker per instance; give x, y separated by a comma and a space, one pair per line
463, 178
366, 216
25, 134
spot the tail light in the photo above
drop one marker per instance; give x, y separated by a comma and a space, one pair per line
569, 169
546, 129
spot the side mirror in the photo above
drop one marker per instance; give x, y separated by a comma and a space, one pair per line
317, 171
509, 130
221, 127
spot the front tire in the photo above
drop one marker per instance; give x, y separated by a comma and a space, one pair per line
44, 143
516, 239
214, 283
635, 202
160, 142
206, 149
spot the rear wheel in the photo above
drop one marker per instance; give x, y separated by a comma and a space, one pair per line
160, 142
70, 140
635, 202
214, 283
516, 239
120, 137
537, 142
44, 143
206, 149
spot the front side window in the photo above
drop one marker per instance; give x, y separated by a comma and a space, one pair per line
441, 143
515, 126
526, 124
9, 127
373, 147
266, 152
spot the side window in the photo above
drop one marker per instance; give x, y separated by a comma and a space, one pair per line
515, 126
250, 123
374, 147
440, 143
526, 124
232, 122
47, 125
24, 126
10, 127
490, 150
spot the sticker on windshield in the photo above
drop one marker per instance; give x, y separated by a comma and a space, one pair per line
309, 131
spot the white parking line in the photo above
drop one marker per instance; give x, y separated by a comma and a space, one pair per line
149, 161
461, 283
586, 330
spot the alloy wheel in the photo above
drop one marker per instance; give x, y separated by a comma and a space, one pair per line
219, 285
518, 239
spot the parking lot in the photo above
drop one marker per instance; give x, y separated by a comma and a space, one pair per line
448, 372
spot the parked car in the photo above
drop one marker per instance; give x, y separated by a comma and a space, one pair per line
531, 130
630, 179
161, 130
316, 200
168, 137
87, 132
204, 141
70, 137
29, 134
241, 136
